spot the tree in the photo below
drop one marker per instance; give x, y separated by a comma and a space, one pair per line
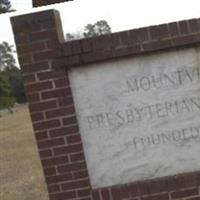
6, 100
5, 6
101, 27
11, 83
15, 81
74, 36
7, 60
4, 86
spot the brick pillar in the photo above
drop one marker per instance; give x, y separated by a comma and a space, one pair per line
38, 37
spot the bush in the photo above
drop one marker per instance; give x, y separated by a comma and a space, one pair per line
6, 102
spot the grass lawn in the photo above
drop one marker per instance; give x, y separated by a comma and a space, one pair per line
21, 175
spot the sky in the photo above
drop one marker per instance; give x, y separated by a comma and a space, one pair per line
121, 15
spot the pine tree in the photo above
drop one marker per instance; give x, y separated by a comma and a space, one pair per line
7, 60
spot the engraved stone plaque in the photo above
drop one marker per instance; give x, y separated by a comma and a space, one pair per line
139, 117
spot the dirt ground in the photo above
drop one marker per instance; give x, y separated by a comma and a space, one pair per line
21, 175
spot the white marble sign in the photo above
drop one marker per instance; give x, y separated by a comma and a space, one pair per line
139, 117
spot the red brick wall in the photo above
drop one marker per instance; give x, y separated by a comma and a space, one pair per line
43, 57
130, 43
37, 3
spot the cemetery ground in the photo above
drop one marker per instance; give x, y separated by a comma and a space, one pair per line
21, 175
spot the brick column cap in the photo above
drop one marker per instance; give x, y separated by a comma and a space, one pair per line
27, 22
24, 19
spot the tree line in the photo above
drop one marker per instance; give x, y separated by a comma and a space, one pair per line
11, 83
98, 28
